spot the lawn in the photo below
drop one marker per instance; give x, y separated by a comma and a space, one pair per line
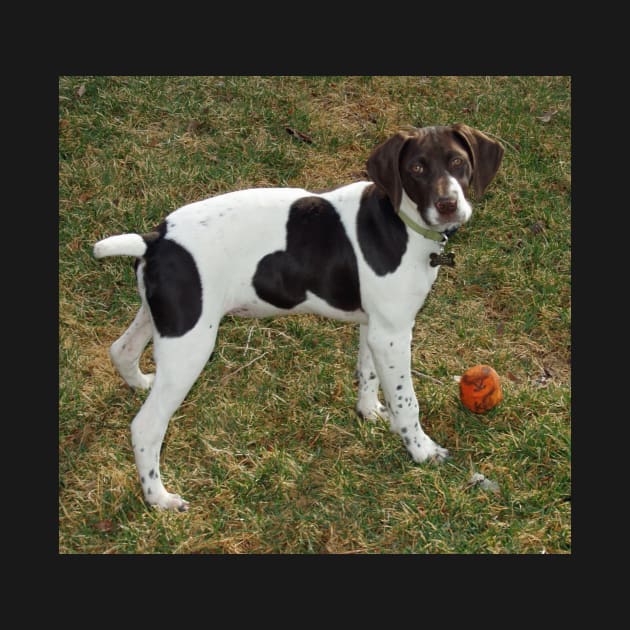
267, 447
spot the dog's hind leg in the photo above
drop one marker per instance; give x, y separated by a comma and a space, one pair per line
179, 361
126, 351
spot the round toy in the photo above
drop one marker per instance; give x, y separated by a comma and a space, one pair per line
480, 389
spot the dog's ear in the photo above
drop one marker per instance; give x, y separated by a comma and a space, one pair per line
486, 155
383, 167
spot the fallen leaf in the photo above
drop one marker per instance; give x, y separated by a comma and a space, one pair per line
74, 245
544, 378
537, 227
547, 116
81, 90
83, 435
337, 391
74, 437
104, 526
477, 479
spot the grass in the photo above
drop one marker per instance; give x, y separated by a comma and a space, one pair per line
271, 455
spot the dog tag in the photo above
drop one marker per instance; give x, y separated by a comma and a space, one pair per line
442, 259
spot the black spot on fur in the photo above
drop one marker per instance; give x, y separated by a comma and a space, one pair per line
398, 386
382, 234
172, 285
318, 258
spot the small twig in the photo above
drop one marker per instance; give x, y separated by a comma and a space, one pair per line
299, 135
251, 330
431, 378
319, 433
278, 332
500, 139
227, 376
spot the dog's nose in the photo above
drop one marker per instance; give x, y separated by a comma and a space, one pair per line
446, 204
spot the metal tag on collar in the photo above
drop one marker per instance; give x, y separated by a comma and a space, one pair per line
442, 259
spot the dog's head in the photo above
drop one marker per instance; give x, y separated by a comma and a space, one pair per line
431, 169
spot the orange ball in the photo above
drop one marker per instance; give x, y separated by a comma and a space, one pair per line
480, 389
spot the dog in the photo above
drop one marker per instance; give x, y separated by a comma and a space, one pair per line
367, 252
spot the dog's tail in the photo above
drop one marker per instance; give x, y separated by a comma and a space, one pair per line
121, 245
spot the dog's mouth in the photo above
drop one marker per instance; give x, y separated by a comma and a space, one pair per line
444, 219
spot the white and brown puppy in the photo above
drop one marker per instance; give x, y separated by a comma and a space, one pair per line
365, 253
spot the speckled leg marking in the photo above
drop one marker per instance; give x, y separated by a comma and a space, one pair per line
126, 351
369, 407
392, 357
179, 362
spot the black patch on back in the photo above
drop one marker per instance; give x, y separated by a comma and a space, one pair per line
318, 258
172, 286
382, 234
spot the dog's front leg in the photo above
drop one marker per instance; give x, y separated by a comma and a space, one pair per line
369, 407
391, 350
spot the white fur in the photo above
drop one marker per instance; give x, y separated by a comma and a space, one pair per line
121, 245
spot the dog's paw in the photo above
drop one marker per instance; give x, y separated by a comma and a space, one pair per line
440, 455
374, 414
427, 451
170, 501
144, 381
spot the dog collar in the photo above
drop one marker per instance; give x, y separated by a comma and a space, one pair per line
431, 234
440, 237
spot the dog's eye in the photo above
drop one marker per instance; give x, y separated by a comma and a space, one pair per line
455, 162
417, 168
